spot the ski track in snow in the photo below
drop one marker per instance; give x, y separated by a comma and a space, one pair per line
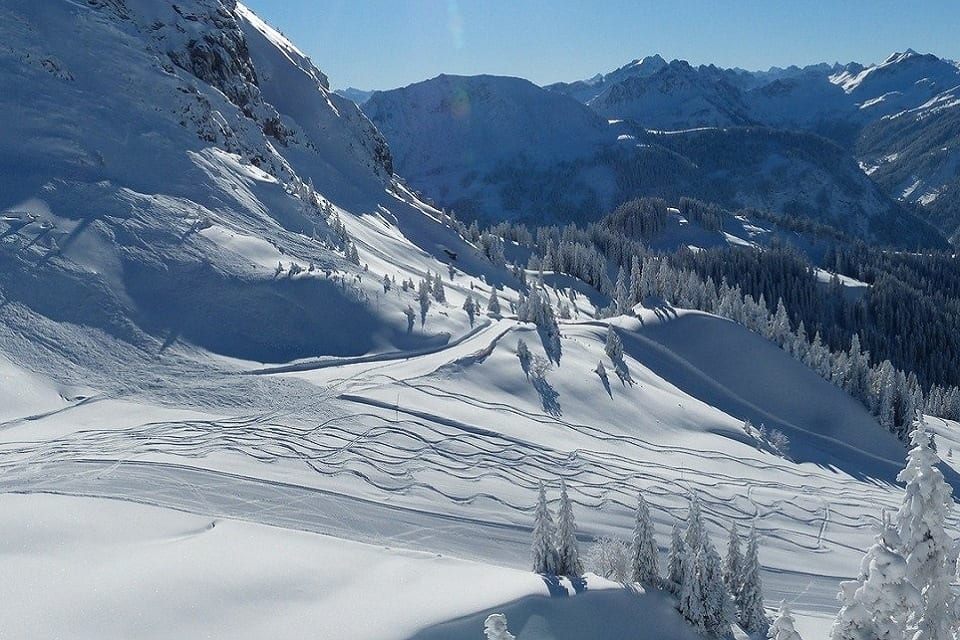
458, 481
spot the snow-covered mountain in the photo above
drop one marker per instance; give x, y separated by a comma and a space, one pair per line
675, 96
358, 96
586, 90
858, 106
449, 133
503, 149
226, 414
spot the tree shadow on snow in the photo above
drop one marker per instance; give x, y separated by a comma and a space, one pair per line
557, 585
605, 614
549, 397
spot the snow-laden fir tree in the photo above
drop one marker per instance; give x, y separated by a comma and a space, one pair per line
717, 605
423, 296
695, 533
750, 612
644, 549
621, 293
690, 597
733, 563
544, 535
877, 604
924, 543
471, 308
437, 288
782, 627
495, 627
493, 304
613, 346
568, 554
675, 559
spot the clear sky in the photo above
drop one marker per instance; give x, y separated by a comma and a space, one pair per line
382, 44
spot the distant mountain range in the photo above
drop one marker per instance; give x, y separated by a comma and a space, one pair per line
453, 138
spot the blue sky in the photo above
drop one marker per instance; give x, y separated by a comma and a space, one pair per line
381, 44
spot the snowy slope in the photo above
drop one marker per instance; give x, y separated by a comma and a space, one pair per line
195, 444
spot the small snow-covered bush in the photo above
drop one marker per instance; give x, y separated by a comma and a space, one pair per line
610, 558
495, 627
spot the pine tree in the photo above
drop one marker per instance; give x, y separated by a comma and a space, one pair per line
621, 293
645, 561
690, 597
877, 604
437, 288
423, 295
694, 535
716, 597
471, 308
750, 603
675, 559
493, 305
924, 541
567, 551
733, 563
782, 627
544, 551
614, 346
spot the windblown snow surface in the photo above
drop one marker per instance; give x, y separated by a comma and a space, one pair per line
195, 445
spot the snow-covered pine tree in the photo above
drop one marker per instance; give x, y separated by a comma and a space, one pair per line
675, 559
733, 563
614, 346
716, 598
471, 308
877, 604
750, 601
544, 549
695, 531
621, 293
636, 292
778, 327
644, 549
437, 288
493, 305
568, 553
782, 627
690, 597
423, 295
924, 541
